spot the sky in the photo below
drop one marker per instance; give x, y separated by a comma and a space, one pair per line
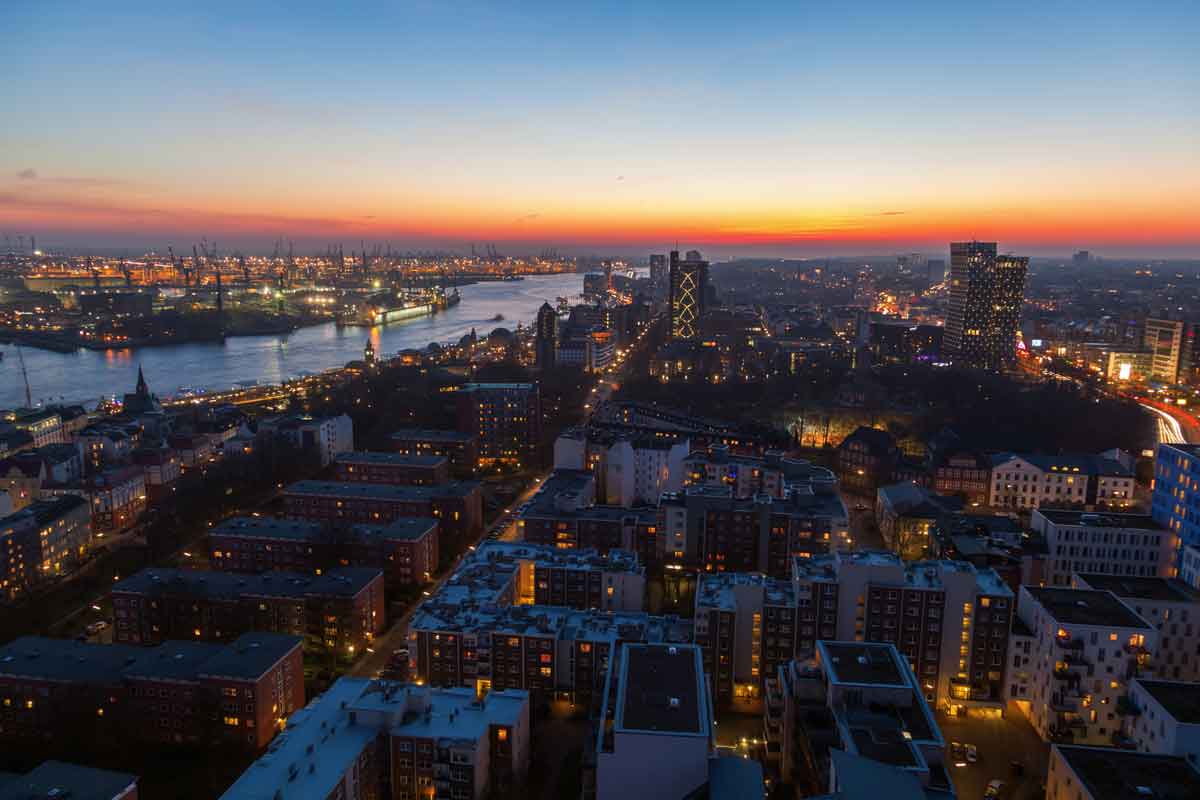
764, 128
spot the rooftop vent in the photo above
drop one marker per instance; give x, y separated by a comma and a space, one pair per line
673, 702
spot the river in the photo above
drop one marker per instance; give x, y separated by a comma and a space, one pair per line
87, 375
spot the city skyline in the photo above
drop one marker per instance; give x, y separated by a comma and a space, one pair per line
778, 131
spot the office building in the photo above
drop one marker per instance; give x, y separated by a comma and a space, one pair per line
655, 732
1081, 481
688, 294
406, 549
1164, 341
1175, 502
986, 294
859, 699
394, 468
340, 610
505, 419
1108, 773
367, 739
174, 693
546, 336
1123, 545
1087, 646
659, 275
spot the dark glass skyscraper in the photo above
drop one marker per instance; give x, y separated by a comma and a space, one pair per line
986, 293
658, 269
546, 341
689, 285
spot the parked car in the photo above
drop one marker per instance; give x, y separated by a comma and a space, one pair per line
994, 788
96, 627
958, 754
972, 754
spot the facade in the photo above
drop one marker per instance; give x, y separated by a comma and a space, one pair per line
1087, 646
1164, 717
1164, 341
46, 427
906, 513
1126, 545
325, 436
1172, 607
629, 467
1175, 503
687, 294
1030, 481
457, 505
460, 449
162, 467
857, 699
46, 539
405, 549
393, 468
867, 459
986, 294
117, 497
504, 418
658, 270
1189, 565
340, 610
963, 474
178, 692
546, 337
655, 733
365, 739
1106, 773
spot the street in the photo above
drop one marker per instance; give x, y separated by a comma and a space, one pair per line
1000, 742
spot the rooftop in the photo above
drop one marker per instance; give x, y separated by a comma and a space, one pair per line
1095, 519
58, 779
1084, 464
250, 655
1110, 773
1180, 699
344, 581
404, 529
861, 662
1085, 607
381, 491
398, 459
497, 387
1165, 590
662, 690
432, 435
268, 528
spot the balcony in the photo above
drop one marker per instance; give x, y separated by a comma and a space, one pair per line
1067, 643
1063, 704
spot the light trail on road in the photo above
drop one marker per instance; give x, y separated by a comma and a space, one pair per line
1169, 430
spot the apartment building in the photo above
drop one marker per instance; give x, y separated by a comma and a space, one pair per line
341, 610
58, 779
324, 436
867, 459
45, 426
1030, 481
46, 539
1189, 565
1127, 545
504, 418
1088, 645
774, 474
393, 468
1163, 717
906, 512
655, 735
860, 699
563, 513
163, 694
406, 549
117, 497
1107, 773
628, 465
457, 505
162, 467
460, 449
1168, 604
1175, 503
365, 739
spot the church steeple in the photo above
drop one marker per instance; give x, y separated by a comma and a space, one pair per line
142, 389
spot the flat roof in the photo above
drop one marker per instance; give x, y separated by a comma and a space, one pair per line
396, 459
268, 528
1086, 607
863, 662
662, 690
1110, 773
67, 659
1097, 519
1180, 699
250, 655
404, 529
341, 581
432, 435
61, 779
1165, 590
381, 491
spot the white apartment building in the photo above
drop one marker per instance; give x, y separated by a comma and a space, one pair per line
1086, 481
1189, 565
1088, 646
1164, 718
1129, 545
1109, 773
628, 469
328, 436
1172, 607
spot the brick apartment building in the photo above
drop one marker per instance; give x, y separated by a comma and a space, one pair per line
341, 610
504, 418
178, 692
460, 449
406, 549
394, 468
457, 505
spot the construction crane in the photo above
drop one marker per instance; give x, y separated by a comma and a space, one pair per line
25, 375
